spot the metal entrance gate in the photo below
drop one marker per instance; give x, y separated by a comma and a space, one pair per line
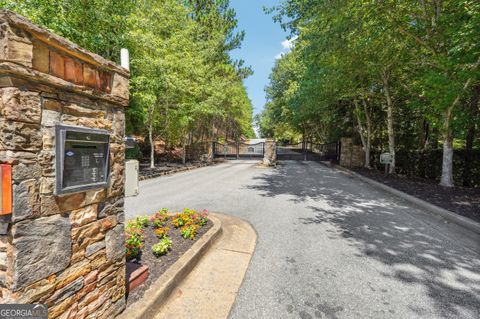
291, 151
239, 150
307, 151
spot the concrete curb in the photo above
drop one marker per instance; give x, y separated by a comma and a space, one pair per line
159, 291
446, 214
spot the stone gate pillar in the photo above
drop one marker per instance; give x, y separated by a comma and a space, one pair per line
270, 153
351, 155
63, 243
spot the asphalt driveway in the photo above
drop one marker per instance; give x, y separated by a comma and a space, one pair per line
330, 246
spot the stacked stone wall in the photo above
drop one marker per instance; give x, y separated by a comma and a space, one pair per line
63, 251
351, 155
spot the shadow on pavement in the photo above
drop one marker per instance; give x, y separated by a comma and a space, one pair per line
416, 252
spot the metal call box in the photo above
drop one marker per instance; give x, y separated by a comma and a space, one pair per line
81, 159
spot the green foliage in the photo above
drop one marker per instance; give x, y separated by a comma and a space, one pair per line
186, 82
162, 247
160, 219
184, 85
133, 239
181, 219
352, 59
97, 25
161, 232
190, 221
190, 231
133, 153
142, 221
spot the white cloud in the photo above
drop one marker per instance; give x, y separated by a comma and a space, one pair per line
287, 46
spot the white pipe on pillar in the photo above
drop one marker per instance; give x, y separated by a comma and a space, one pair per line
125, 59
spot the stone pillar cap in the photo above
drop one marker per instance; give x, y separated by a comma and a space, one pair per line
60, 43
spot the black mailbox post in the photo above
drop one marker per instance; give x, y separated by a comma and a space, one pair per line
81, 159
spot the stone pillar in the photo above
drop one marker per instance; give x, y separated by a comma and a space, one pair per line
270, 153
351, 155
63, 251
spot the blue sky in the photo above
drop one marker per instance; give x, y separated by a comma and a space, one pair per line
264, 40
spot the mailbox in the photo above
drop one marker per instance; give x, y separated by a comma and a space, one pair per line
82, 160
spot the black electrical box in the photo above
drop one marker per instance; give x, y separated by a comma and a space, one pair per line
82, 159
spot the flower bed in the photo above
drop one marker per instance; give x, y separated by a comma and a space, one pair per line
158, 241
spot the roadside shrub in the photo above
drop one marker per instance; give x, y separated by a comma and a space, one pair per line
134, 153
161, 232
160, 218
428, 164
162, 247
190, 231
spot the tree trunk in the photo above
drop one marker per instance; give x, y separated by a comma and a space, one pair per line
304, 144
390, 119
426, 134
150, 138
361, 132
184, 152
447, 161
368, 121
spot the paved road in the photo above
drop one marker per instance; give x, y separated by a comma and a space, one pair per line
330, 246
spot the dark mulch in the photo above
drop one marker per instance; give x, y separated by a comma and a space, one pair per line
166, 168
460, 200
158, 265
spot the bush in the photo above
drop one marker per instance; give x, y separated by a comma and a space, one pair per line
134, 153
162, 247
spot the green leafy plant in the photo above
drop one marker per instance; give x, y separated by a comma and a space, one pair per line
161, 232
133, 226
142, 220
181, 219
189, 212
133, 244
160, 218
201, 218
190, 231
162, 247
133, 239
